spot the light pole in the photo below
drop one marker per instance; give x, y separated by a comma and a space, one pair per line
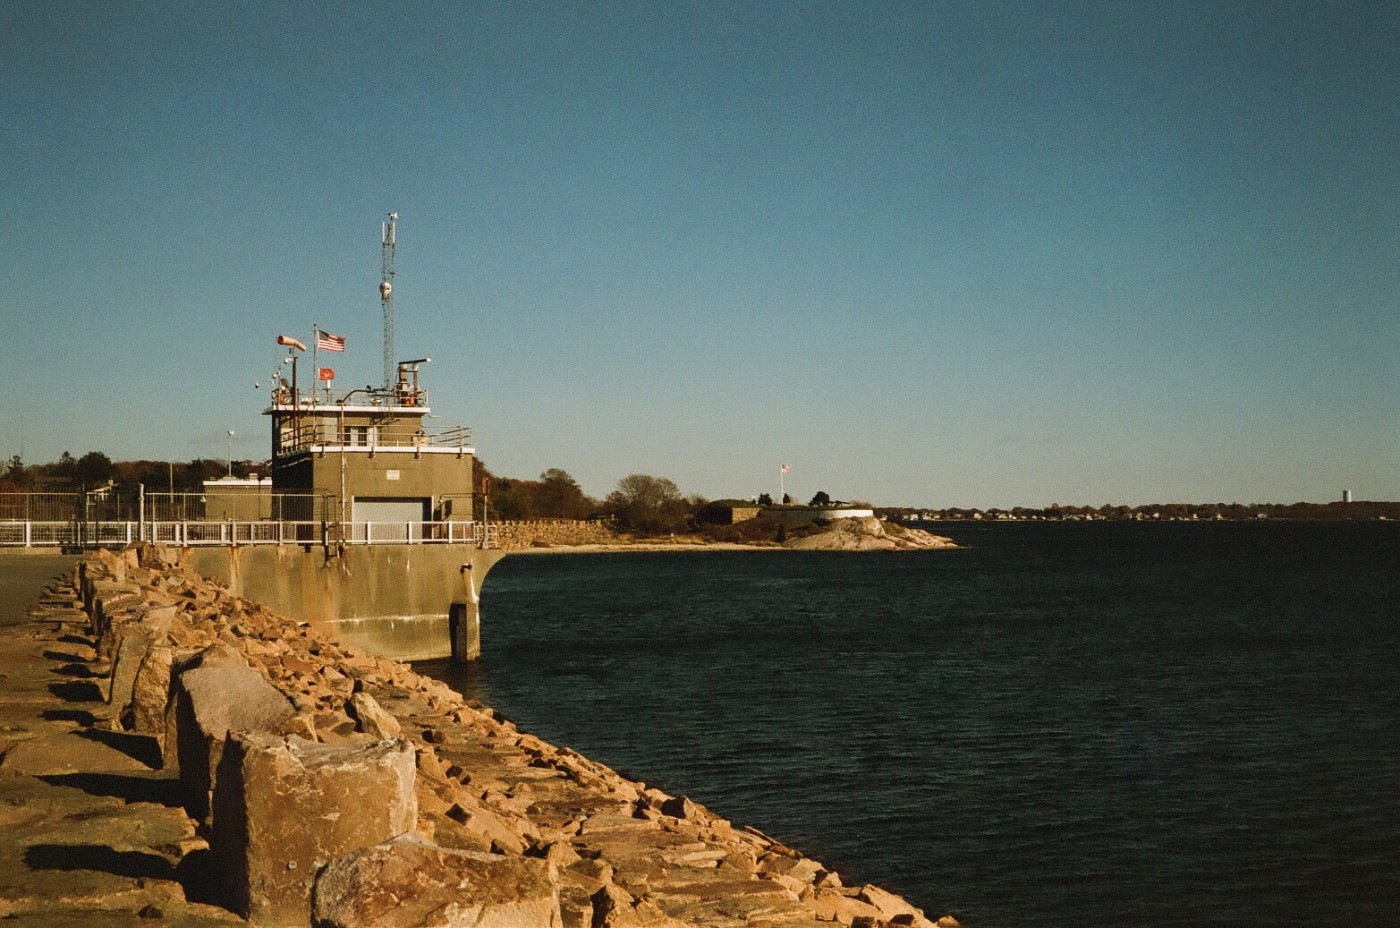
230, 454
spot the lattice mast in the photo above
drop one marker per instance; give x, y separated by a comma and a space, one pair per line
386, 297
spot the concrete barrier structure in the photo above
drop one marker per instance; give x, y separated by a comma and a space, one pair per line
405, 602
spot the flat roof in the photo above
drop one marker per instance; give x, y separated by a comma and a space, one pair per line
335, 409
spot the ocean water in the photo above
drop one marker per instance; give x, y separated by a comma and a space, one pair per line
1063, 724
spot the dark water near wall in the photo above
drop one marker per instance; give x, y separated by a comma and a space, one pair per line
1064, 725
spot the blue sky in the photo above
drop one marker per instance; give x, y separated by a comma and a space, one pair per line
939, 253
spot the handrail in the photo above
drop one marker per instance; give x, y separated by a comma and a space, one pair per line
234, 533
323, 434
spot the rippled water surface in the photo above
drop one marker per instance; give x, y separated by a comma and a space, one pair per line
1063, 724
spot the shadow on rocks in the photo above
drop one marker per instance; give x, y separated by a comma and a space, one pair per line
164, 791
199, 876
99, 857
142, 748
66, 657
81, 716
77, 691
76, 670
196, 873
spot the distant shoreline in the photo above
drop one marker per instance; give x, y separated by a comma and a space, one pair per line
646, 547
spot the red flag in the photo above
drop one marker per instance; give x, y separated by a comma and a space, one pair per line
326, 373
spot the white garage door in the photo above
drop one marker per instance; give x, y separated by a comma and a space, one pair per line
385, 519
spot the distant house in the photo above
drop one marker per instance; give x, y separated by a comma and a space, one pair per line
237, 499
727, 512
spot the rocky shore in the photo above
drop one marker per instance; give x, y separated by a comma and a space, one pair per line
171, 752
846, 534
869, 534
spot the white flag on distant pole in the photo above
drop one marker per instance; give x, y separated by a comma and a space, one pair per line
783, 471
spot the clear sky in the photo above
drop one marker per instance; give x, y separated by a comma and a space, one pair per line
929, 253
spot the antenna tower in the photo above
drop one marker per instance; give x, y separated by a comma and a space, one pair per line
386, 297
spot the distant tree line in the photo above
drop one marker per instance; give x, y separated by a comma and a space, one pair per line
94, 469
1156, 512
555, 495
641, 504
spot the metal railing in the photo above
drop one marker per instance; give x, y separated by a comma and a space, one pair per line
222, 504
329, 435
70, 534
104, 503
190, 533
230, 534
76, 520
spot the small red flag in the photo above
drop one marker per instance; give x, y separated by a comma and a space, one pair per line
326, 373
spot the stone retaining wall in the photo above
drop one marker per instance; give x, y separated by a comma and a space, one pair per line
279, 733
546, 533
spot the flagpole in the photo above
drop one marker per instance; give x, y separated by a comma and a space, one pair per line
316, 352
782, 485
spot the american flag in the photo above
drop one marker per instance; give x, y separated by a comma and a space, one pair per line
325, 341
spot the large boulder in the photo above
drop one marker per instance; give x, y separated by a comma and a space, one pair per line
133, 639
150, 693
218, 654
284, 807
111, 602
207, 704
411, 883
371, 718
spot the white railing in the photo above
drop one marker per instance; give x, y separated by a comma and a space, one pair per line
38, 534
413, 533
191, 533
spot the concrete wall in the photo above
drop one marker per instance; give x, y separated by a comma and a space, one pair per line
237, 500
438, 476
399, 473
804, 515
408, 602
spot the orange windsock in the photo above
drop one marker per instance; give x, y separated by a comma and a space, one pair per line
290, 342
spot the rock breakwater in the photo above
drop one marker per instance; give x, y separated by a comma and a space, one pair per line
325, 786
868, 533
